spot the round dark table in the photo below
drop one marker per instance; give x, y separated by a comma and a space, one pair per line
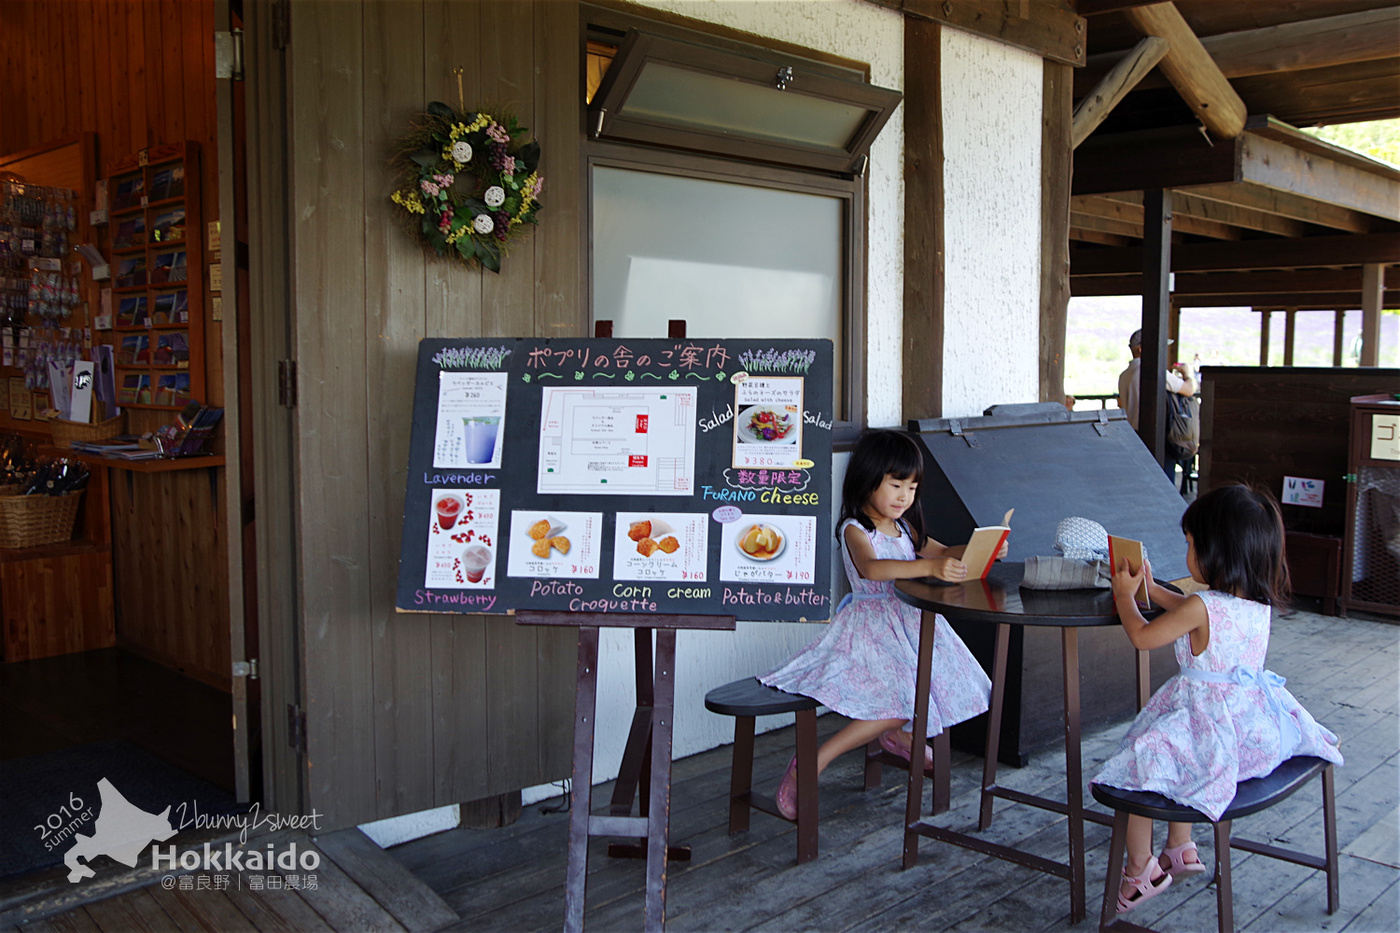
999, 600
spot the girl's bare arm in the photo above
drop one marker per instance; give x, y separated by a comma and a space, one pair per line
1184, 615
945, 567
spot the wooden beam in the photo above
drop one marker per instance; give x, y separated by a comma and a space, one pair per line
1188, 207
1081, 235
1283, 204
1303, 301
1372, 299
1337, 94
1097, 7
1240, 284
923, 228
1281, 165
1176, 156
1366, 35
1248, 254
1362, 36
1188, 66
1122, 78
1130, 212
1056, 165
1050, 28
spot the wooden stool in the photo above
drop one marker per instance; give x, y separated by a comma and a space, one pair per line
747, 699
1251, 797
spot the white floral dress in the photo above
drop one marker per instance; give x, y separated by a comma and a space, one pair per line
1222, 720
865, 665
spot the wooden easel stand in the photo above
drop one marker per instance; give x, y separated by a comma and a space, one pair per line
646, 759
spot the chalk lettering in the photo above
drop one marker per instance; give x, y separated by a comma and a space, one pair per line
717, 419
554, 588
688, 592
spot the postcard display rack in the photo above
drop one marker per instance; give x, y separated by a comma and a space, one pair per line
651, 484
157, 277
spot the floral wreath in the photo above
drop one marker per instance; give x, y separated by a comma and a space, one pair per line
466, 184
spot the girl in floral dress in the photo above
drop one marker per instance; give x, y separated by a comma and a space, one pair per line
1223, 719
864, 666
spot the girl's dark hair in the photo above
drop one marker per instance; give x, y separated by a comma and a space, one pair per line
876, 453
1238, 534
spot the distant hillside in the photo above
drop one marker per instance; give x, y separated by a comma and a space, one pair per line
1379, 139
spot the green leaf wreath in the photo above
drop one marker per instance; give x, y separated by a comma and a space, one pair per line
467, 184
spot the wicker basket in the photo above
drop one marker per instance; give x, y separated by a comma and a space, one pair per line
66, 432
31, 521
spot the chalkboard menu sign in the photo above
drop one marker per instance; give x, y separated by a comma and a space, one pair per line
642, 476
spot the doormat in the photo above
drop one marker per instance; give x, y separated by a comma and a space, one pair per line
47, 800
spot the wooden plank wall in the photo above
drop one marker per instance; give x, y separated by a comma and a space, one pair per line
137, 73
1260, 424
411, 711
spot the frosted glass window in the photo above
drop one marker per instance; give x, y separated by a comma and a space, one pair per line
731, 260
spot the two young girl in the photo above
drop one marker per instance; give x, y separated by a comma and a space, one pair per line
864, 666
1223, 719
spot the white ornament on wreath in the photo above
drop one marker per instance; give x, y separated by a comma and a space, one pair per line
483, 224
495, 196
461, 151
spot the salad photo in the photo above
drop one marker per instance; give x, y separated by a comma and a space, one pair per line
764, 424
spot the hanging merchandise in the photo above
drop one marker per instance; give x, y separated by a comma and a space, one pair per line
35, 226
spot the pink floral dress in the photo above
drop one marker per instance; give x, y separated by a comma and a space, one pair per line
864, 666
1222, 720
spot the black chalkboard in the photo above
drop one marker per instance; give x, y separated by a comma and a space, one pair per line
661, 476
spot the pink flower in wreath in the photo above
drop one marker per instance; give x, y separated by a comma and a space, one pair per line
430, 189
444, 181
498, 133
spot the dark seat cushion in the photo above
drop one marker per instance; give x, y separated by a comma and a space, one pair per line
1250, 796
748, 697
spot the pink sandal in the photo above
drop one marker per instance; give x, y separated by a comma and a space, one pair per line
786, 797
1175, 856
891, 744
1143, 887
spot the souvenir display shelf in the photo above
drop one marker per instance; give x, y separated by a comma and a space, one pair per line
158, 277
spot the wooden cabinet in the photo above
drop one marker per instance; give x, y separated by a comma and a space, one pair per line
59, 599
158, 278
1371, 549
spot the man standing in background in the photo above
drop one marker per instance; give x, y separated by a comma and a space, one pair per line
1178, 380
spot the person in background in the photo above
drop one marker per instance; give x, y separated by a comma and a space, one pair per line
1178, 380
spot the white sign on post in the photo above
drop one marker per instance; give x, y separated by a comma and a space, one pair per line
1385, 437
1298, 490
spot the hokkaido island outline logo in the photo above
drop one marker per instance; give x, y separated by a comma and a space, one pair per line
122, 830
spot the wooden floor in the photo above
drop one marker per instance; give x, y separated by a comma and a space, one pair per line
1344, 671
1347, 672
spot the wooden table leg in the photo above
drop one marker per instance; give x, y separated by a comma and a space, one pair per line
989, 755
659, 819
914, 800
1074, 775
585, 704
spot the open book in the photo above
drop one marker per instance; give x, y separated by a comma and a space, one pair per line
1120, 549
982, 547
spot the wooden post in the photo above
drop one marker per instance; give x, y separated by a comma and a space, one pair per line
1264, 338
923, 227
1372, 298
1290, 324
1156, 300
1338, 334
1056, 167
1174, 331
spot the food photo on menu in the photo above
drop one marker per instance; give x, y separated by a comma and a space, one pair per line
769, 549
462, 539
768, 422
554, 544
471, 410
660, 546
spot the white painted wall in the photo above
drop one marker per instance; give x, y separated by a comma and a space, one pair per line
991, 152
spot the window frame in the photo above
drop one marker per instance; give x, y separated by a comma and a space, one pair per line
602, 23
